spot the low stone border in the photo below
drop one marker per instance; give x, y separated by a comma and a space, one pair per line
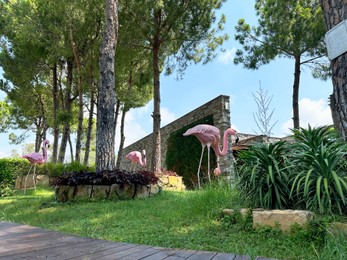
174, 183
113, 192
272, 218
40, 180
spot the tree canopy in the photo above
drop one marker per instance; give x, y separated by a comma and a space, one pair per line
286, 29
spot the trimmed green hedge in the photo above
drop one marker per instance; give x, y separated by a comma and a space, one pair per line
11, 168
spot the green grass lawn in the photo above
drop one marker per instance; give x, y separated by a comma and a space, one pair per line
190, 220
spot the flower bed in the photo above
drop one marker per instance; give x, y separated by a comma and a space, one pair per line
115, 185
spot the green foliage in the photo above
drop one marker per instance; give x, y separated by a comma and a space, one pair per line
57, 169
318, 180
4, 114
263, 176
286, 29
190, 220
183, 154
9, 170
309, 174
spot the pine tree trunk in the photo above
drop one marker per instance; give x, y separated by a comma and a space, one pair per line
122, 139
156, 156
80, 99
67, 111
90, 117
105, 137
335, 12
296, 117
55, 94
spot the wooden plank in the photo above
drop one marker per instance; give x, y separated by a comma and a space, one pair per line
142, 254
19, 241
124, 253
202, 255
227, 256
117, 247
33, 248
168, 253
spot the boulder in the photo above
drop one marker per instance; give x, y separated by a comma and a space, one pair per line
283, 218
154, 189
142, 191
244, 212
122, 191
83, 191
100, 191
64, 193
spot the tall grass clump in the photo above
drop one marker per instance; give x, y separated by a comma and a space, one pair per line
263, 175
319, 182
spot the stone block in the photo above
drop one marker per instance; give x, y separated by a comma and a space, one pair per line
42, 180
283, 218
142, 191
175, 181
243, 212
100, 191
122, 191
154, 189
64, 193
83, 191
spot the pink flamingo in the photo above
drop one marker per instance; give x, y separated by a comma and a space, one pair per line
136, 157
209, 136
34, 159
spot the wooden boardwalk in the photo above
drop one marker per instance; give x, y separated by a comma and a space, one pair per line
19, 241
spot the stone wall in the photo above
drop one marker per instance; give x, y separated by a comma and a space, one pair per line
219, 108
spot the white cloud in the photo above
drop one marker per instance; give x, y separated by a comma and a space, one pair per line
3, 154
139, 123
166, 116
312, 112
227, 56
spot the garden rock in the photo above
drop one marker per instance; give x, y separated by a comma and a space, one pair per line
283, 218
64, 193
338, 229
243, 212
100, 191
83, 191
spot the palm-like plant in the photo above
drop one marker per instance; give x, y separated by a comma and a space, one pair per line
263, 177
318, 180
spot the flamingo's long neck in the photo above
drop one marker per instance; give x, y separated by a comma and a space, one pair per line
223, 152
143, 162
45, 152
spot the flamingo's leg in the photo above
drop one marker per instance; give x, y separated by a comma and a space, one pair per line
34, 179
208, 164
26, 178
202, 153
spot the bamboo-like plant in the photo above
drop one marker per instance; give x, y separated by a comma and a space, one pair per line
318, 181
263, 177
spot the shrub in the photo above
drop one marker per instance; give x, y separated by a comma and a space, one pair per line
57, 169
318, 181
10, 168
263, 176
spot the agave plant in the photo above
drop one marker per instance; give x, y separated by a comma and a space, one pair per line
263, 176
319, 182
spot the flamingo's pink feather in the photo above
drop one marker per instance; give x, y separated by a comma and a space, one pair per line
136, 157
207, 134
35, 158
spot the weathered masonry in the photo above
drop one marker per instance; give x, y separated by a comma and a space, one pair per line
218, 108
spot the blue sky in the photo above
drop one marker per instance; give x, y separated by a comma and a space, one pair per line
202, 83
